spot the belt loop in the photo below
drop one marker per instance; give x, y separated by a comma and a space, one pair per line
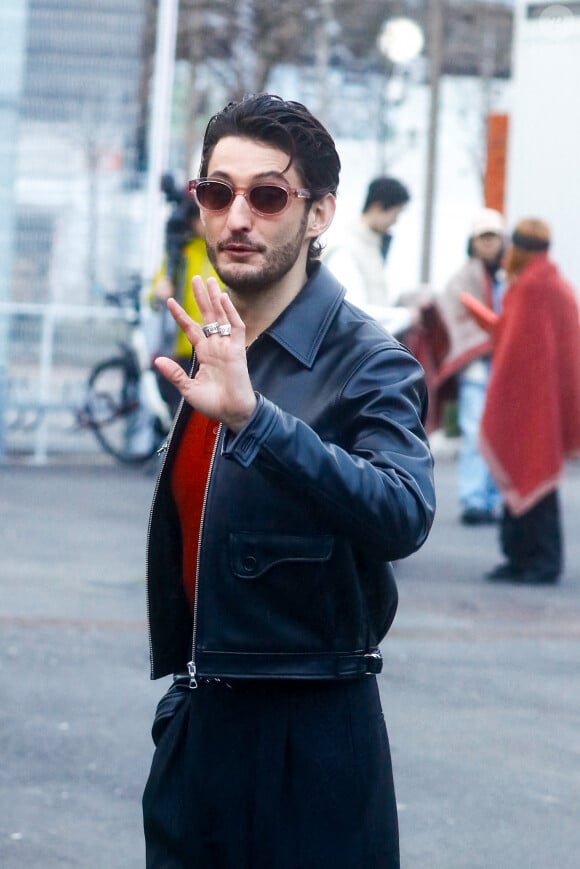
374, 662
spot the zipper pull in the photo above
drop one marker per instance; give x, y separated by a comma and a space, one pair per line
191, 669
163, 448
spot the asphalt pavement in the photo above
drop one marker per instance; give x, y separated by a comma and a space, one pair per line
480, 686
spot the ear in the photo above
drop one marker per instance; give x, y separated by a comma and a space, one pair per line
321, 215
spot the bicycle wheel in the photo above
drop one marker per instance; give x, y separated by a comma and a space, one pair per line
114, 412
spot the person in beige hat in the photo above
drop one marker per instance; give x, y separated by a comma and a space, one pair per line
469, 359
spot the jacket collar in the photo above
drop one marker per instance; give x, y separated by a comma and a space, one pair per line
301, 327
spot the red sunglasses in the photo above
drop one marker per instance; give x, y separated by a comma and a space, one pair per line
263, 198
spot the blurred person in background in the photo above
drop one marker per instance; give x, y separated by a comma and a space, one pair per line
531, 421
468, 359
357, 257
185, 256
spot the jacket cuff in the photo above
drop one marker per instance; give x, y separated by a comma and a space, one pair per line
244, 446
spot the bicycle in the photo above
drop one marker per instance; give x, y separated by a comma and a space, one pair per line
123, 406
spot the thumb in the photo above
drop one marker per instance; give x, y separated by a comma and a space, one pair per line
172, 371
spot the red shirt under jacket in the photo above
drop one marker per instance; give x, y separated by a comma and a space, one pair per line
188, 482
531, 421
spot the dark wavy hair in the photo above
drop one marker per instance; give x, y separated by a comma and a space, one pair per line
286, 125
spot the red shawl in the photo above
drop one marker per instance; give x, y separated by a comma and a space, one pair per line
531, 421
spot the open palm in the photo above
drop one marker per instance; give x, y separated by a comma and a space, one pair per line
221, 388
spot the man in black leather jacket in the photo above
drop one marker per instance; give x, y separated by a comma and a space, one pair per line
296, 470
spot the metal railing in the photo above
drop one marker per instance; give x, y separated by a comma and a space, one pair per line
46, 353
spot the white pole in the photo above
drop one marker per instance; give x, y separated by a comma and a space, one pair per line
326, 18
436, 22
13, 28
159, 128
44, 385
244, 49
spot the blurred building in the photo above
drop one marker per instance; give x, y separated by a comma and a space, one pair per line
544, 125
77, 147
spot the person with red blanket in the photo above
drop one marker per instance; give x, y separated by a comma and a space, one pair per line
531, 420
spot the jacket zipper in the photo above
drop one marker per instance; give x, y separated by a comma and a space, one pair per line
192, 667
162, 451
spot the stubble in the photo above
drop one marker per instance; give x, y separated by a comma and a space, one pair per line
277, 262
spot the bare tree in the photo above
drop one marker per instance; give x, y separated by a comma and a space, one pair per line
236, 43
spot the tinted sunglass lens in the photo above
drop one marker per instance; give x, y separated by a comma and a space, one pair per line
268, 198
214, 195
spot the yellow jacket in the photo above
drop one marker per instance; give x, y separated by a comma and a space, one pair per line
196, 262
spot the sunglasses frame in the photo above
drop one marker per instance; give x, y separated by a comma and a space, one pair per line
246, 192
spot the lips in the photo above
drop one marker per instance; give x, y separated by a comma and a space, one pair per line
238, 246
239, 251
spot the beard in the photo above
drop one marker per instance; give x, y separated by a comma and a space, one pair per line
276, 262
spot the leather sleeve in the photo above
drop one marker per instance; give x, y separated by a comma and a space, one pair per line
378, 486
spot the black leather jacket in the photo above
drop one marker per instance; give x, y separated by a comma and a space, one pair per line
330, 480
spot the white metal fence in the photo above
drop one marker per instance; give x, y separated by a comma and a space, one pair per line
46, 355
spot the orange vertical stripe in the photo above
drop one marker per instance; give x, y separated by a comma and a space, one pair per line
495, 167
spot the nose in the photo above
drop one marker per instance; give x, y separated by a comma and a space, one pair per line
239, 214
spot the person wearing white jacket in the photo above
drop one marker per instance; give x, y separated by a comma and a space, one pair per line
357, 259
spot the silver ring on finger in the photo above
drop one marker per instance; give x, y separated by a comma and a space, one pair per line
211, 329
225, 329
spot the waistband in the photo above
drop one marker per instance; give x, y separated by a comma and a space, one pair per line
220, 667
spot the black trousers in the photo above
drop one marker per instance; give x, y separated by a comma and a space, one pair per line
532, 542
271, 775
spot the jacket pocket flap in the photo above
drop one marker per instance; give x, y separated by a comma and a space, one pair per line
252, 555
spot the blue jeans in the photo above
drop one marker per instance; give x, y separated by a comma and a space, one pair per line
477, 489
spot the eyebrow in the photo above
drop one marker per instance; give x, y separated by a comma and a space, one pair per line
260, 176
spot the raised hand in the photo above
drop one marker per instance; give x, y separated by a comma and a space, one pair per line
221, 388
